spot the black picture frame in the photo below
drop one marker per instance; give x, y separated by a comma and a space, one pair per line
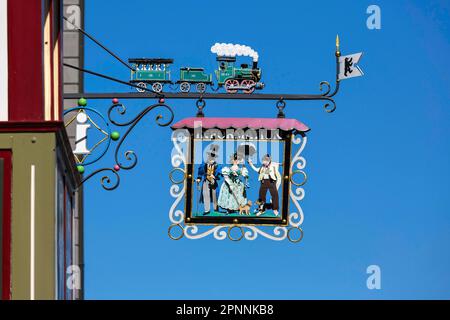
282, 220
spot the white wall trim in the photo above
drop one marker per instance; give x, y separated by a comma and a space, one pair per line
3, 60
47, 68
56, 100
32, 231
56, 227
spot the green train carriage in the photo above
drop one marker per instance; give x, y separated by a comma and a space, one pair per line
194, 76
154, 72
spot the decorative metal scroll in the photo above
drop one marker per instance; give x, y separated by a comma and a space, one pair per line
125, 160
180, 228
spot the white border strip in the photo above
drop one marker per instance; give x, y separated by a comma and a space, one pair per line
47, 68
56, 87
32, 231
3, 60
56, 226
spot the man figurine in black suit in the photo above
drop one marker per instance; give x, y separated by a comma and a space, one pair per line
208, 174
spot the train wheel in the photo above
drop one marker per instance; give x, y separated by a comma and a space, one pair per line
157, 87
185, 87
231, 83
250, 84
142, 85
201, 87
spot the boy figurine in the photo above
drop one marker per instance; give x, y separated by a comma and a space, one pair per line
270, 179
209, 173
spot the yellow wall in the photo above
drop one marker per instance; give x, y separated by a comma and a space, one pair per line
30, 149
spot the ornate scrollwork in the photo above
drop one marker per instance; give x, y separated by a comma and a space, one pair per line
277, 233
193, 232
130, 157
105, 180
327, 89
296, 192
178, 188
330, 105
181, 142
327, 94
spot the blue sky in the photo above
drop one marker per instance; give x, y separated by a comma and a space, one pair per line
378, 167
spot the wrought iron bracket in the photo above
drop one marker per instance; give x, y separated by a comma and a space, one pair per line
124, 160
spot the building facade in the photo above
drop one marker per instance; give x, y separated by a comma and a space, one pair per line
41, 206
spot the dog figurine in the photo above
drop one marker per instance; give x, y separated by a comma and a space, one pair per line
245, 209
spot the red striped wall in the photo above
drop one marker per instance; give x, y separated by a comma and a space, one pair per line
25, 65
30, 97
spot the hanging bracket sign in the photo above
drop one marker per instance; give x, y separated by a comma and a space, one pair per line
237, 178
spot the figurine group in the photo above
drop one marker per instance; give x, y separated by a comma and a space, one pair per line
231, 196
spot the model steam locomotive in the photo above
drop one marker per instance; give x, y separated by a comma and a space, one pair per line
155, 73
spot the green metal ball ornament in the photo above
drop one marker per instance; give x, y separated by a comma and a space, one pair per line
82, 102
80, 169
115, 135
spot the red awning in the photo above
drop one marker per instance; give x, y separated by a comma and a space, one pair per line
240, 123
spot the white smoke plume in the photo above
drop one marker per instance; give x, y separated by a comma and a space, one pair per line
233, 50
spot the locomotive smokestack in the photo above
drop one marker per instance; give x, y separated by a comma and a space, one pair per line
255, 65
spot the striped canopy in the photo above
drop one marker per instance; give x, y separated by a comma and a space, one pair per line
241, 123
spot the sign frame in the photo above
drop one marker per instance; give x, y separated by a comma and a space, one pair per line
183, 224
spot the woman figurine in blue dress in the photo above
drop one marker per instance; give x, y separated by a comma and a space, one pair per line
232, 192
